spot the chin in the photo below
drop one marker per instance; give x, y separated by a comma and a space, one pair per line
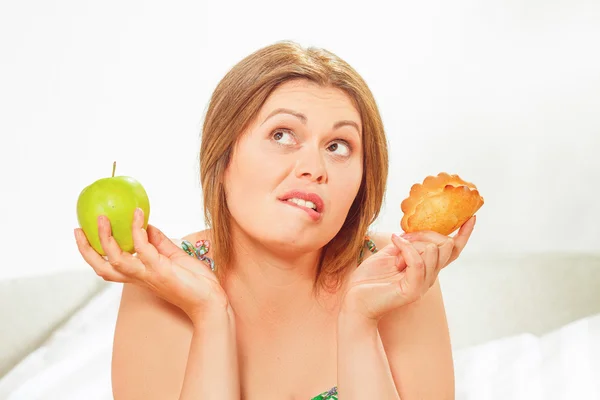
290, 233
292, 238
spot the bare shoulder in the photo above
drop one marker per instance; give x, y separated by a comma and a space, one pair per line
151, 343
380, 239
200, 235
195, 237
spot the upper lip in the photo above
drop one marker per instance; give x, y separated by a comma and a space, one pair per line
298, 194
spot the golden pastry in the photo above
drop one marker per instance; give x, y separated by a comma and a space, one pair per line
441, 203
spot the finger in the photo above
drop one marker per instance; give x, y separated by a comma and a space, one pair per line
386, 257
462, 237
145, 251
425, 236
391, 250
107, 241
394, 250
407, 251
163, 244
431, 264
161, 269
102, 268
445, 252
414, 274
121, 261
155, 249
419, 246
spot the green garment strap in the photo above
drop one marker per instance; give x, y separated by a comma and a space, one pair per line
330, 395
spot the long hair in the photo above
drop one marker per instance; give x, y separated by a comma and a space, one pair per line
235, 103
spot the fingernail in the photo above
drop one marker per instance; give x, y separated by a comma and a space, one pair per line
399, 238
137, 213
76, 233
100, 221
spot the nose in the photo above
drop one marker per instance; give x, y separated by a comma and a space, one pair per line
310, 165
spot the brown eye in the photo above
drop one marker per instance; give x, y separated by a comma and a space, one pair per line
338, 150
280, 134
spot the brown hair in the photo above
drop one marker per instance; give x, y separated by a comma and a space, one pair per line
235, 103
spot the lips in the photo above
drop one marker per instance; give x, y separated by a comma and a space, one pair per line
298, 194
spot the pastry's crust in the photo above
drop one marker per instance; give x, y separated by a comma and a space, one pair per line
441, 203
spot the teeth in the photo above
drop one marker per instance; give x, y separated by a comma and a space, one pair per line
310, 204
303, 203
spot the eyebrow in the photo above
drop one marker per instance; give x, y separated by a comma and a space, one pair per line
303, 118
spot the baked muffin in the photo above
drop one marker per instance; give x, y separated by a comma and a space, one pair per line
441, 203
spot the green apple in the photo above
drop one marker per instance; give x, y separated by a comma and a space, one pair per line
117, 198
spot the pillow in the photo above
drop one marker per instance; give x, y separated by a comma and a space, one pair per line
562, 364
74, 363
39, 304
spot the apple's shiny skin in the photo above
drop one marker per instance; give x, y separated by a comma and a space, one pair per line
117, 198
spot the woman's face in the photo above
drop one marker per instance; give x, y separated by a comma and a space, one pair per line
307, 139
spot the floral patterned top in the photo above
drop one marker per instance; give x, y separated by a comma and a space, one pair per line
202, 247
332, 394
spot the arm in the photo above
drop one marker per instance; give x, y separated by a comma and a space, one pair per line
160, 354
411, 340
164, 288
363, 369
212, 367
417, 343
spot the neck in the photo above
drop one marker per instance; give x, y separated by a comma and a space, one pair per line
270, 282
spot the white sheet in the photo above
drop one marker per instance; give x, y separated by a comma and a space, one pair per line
565, 364
75, 362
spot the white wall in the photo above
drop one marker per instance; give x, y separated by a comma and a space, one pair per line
506, 94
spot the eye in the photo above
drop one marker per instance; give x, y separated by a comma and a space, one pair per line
343, 147
279, 135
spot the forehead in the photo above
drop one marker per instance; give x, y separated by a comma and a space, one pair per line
305, 96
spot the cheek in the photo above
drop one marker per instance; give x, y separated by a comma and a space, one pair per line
250, 178
344, 185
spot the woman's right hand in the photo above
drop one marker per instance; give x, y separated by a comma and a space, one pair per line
158, 264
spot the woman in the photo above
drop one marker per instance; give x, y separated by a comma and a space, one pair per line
286, 295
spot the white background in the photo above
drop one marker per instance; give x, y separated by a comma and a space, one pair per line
506, 94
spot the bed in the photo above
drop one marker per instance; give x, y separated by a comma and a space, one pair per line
523, 326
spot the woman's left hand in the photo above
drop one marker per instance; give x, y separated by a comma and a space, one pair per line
403, 271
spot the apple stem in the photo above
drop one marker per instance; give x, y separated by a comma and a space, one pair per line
114, 167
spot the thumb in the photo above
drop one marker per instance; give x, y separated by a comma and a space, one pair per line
163, 244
